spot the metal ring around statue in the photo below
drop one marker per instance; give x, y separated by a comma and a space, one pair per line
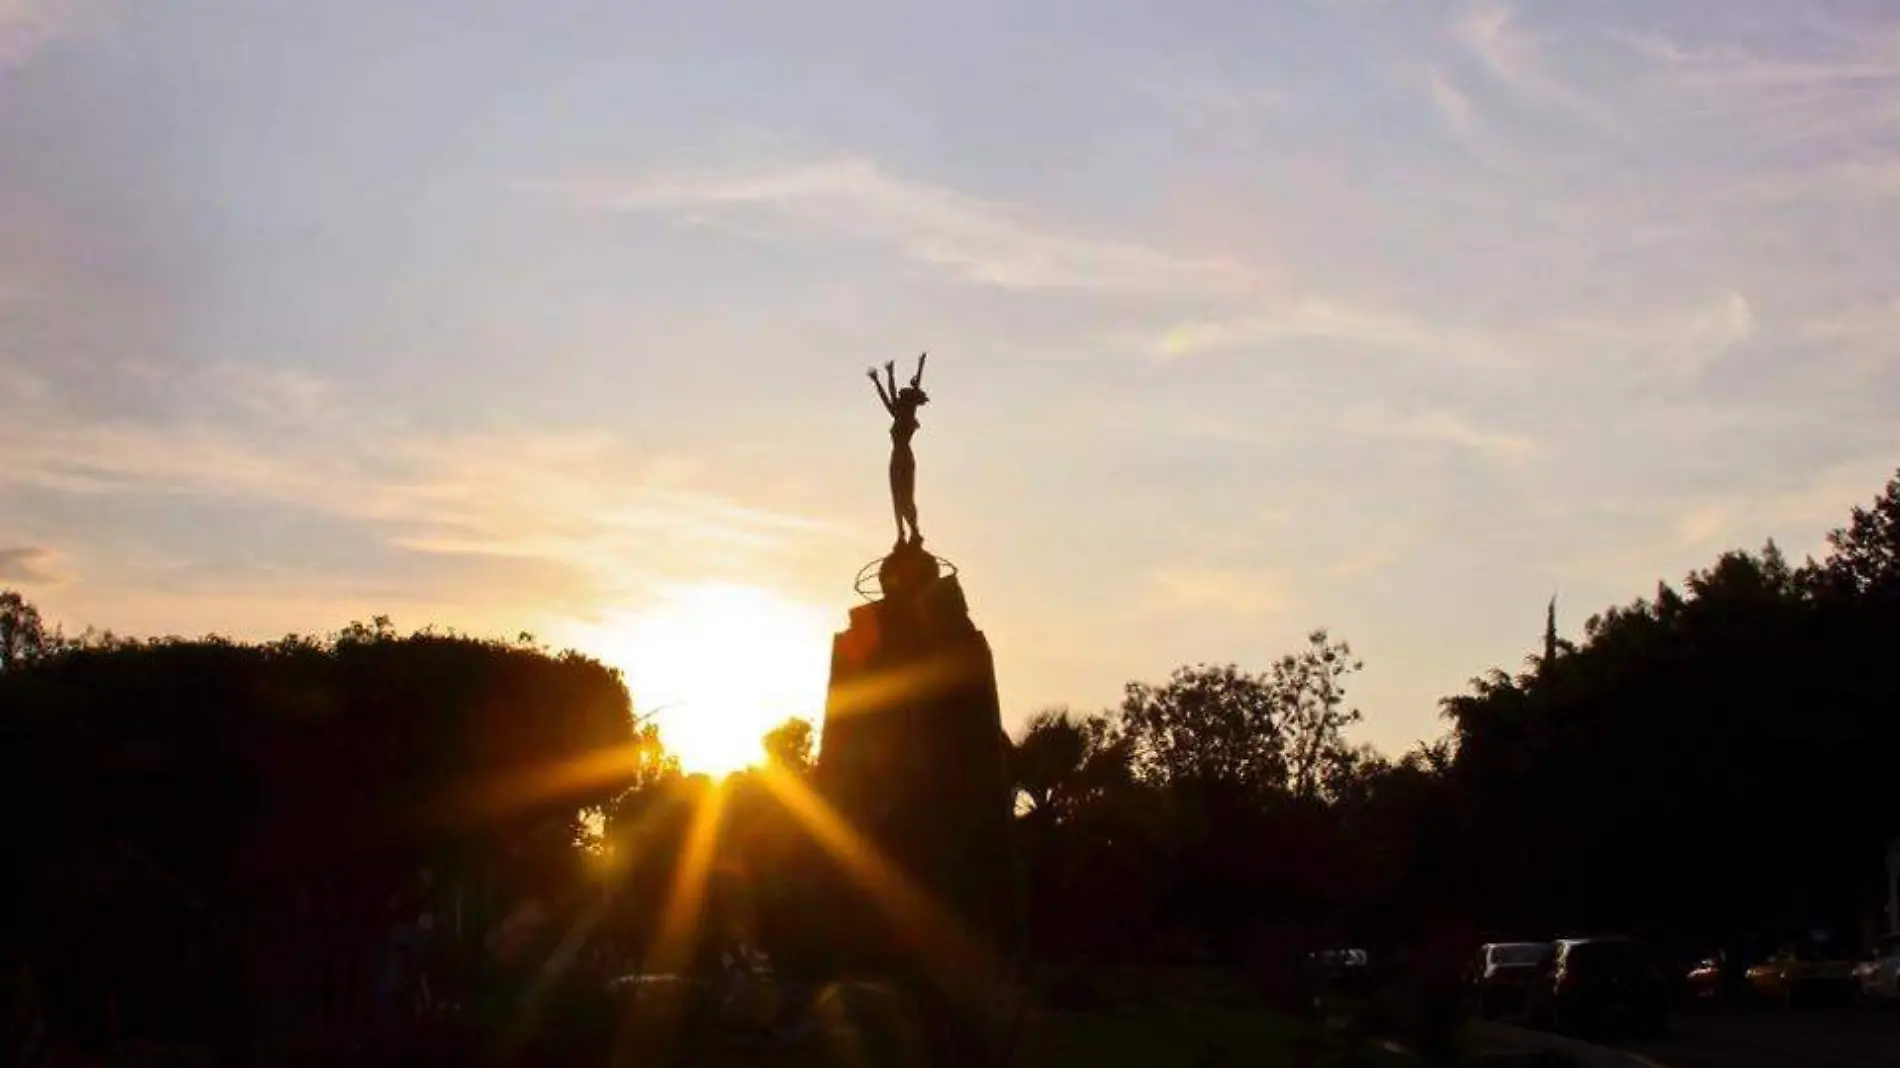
867, 575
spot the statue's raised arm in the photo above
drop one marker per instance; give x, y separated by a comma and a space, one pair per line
878, 384
917, 380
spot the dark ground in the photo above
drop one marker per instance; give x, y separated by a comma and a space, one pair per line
1822, 1038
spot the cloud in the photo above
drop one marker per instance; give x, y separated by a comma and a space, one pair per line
1811, 85
1710, 334
1245, 594
1731, 67
1446, 428
1201, 96
1515, 58
577, 498
1676, 344
1665, 537
1317, 319
26, 564
976, 240
1453, 105
27, 25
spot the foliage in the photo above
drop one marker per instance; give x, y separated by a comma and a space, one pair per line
23, 635
1220, 727
791, 745
1309, 688
1065, 762
1710, 762
1208, 724
190, 796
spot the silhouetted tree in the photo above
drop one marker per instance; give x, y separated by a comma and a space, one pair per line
790, 746
1865, 554
230, 804
1214, 725
1064, 762
1309, 691
23, 635
1643, 779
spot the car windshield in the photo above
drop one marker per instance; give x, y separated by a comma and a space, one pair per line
1518, 953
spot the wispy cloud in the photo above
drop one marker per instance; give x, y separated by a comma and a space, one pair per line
1236, 594
1665, 537
1453, 105
1516, 59
1448, 429
1204, 97
1709, 334
1317, 319
977, 240
1838, 89
574, 498
1460, 116
1672, 344
27, 565
27, 25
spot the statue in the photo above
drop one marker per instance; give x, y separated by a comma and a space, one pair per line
913, 761
903, 405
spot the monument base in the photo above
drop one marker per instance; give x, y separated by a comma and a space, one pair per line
914, 761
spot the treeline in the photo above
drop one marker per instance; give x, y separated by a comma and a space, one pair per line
215, 841
1710, 766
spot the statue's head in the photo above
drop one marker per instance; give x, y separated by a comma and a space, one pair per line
913, 396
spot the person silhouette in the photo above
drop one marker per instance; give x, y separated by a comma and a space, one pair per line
903, 405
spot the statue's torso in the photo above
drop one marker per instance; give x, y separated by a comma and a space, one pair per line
902, 428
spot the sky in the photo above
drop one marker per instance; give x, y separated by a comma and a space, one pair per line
1391, 317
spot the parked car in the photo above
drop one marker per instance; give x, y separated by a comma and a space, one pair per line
1721, 976
1807, 970
1602, 984
1879, 975
1339, 975
1503, 974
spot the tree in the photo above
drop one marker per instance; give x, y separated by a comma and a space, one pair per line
1212, 725
1309, 691
23, 636
1065, 761
789, 746
1865, 553
292, 789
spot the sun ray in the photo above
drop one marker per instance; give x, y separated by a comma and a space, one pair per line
653, 1022
882, 689
579, 775
686, 902
950, 953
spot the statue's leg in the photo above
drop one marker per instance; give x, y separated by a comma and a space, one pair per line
904, 492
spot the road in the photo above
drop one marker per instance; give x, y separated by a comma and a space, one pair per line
1787, 1038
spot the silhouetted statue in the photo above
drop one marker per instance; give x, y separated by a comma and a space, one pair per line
903, 405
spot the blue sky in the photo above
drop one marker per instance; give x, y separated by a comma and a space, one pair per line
1245, 318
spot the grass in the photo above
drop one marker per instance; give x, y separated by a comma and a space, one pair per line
1164, 1035
1093, 1018
1192, 1018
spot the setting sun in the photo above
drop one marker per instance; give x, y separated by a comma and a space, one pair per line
719, 666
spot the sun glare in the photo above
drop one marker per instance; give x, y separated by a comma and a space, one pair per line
719, 666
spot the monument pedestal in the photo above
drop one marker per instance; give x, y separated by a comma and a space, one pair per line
913, 759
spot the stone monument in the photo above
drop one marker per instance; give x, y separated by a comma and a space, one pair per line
913, 759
